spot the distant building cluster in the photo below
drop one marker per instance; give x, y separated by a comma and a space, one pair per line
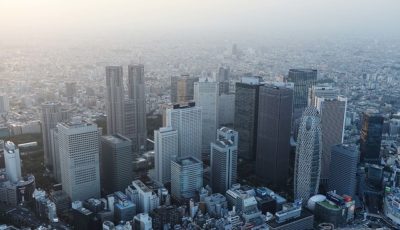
231, 153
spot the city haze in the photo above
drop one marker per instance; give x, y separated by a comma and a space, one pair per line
44, 20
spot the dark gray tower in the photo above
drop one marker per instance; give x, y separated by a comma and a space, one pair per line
342, 177
136, 93
51, 115
246, 115
273, 134
116, 163
303, 79
371, 137
115, 99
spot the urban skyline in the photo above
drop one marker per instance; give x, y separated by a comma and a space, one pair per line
199, 115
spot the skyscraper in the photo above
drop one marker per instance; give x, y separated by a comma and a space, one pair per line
332, 112
308, 155
4, 104
224, 153
51, 115
115, 99
116, 163
371, 137
182, 88
136, 92
12, 162
206, 96
186, 177
223, 74
56, 154
226, 109
166, 149
187, 120
70, 91
273, 137
79, 145
246, 115
303, 79
343, 169
130, 123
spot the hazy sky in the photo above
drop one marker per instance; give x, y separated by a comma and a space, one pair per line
47, 18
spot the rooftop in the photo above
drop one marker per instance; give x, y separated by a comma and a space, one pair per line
116, 138
141, 185
185, 161
304, 214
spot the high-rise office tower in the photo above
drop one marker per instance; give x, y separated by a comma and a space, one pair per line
136, 92
116, 163
273, 134
246, 115
303, 80
371, 137
12, 162
79, 146
165, 149
206, 96
70, 91
56, 154
51, 115
226, 109
307, 168
115, 99
182, 88
343, 169
332, 113
130, 123
224, 153
223, 74
187, 120
4, 104
186, 177
326, 90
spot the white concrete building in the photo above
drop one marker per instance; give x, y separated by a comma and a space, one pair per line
187, 120
224, 154
79, 146
12, 161
206, 96
166, 149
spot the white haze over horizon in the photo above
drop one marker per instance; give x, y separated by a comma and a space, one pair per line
47, 20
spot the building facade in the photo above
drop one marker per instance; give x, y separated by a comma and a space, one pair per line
116, 163
307, 169
187, 120
333, 114
186, 177
343, 169
165, 149
303, 79
224, 154
114, 99
273, 134
51, 115
182, 88
206, 93
79, 146
246, 115
136, 92
371, 137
